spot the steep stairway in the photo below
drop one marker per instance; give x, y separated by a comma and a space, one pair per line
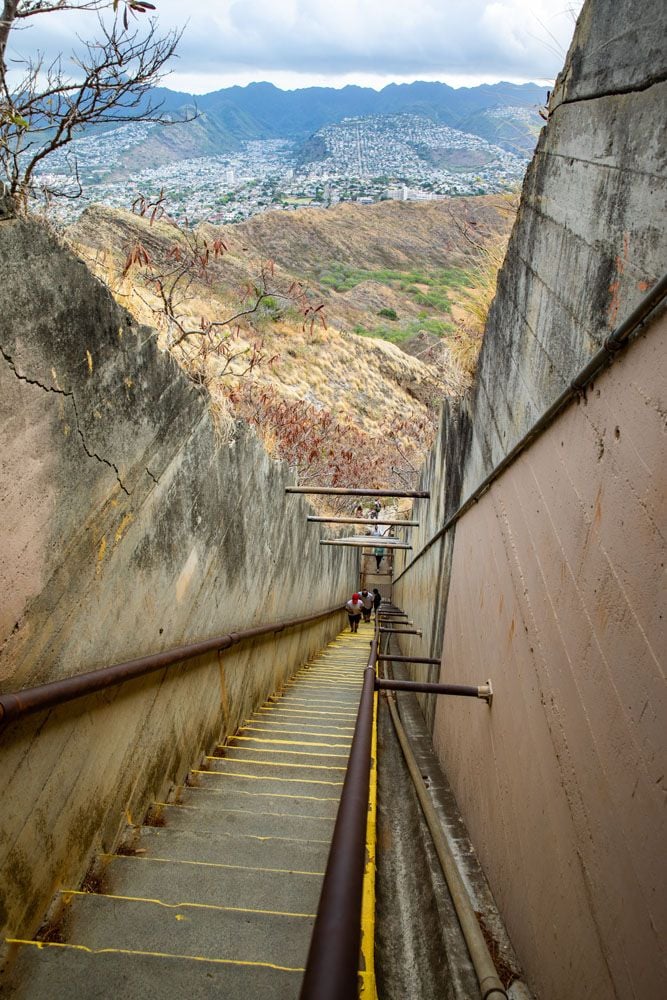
217, 897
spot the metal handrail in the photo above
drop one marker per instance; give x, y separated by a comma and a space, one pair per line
343, 491
333, 958
20, 703
332, 967
614, 343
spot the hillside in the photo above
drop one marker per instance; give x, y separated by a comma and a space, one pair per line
231, 154
392, 280
263, 111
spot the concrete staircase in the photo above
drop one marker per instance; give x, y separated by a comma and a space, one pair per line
217, 898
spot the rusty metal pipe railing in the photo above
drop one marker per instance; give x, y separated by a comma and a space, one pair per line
20, 703
484, 691
364, 520
400, 631
410, 659
333, 958
338, 491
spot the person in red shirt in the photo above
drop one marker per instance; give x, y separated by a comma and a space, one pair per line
354, 608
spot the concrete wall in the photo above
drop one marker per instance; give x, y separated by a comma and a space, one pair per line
550, 584
128, 527
557, 593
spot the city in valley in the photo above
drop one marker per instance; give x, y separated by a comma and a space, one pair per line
359, 159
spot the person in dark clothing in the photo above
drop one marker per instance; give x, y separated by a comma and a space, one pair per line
377, 600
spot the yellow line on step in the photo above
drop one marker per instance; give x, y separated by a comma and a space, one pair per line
184, 905
289, 732
293, 753
271, 763
294, 743
249, 812
273, 795
41, 945
215, 864
259, 777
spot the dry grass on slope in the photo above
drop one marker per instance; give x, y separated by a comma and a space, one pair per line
325, 381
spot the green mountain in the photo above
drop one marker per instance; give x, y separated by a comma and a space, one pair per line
504, 113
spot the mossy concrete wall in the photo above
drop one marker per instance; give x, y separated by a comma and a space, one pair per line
128, 527
550, 585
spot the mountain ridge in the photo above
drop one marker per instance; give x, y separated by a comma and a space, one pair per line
263, 111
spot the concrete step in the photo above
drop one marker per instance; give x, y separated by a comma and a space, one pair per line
215, 883
282, 853
242, 823
286, 803
285, 740
339, 710
321, 701
59, 972
273, 721
232, 783
342, 720
250, 751
276, 769
267, 735
304, 727
192, 929
288, 737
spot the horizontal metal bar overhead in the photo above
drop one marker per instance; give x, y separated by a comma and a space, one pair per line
361, 544
484, 691
337, 491
365, 520
400, 631
410, 659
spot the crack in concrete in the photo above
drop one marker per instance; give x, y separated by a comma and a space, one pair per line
619, 92
70, 395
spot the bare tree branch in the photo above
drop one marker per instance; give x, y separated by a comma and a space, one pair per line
111, 83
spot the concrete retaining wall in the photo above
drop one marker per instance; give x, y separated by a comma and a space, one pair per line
557, 594
128, 527
550, 585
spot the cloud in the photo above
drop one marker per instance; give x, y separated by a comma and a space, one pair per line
383, 39
507, 37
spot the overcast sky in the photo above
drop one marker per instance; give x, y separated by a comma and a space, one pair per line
302, 43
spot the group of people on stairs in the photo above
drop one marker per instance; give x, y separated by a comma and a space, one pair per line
362, 604
376, 531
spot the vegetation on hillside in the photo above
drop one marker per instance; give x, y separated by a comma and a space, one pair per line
348, 398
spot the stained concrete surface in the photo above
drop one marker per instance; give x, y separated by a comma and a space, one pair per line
128, 527
421, 952
555, 589
216, 898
